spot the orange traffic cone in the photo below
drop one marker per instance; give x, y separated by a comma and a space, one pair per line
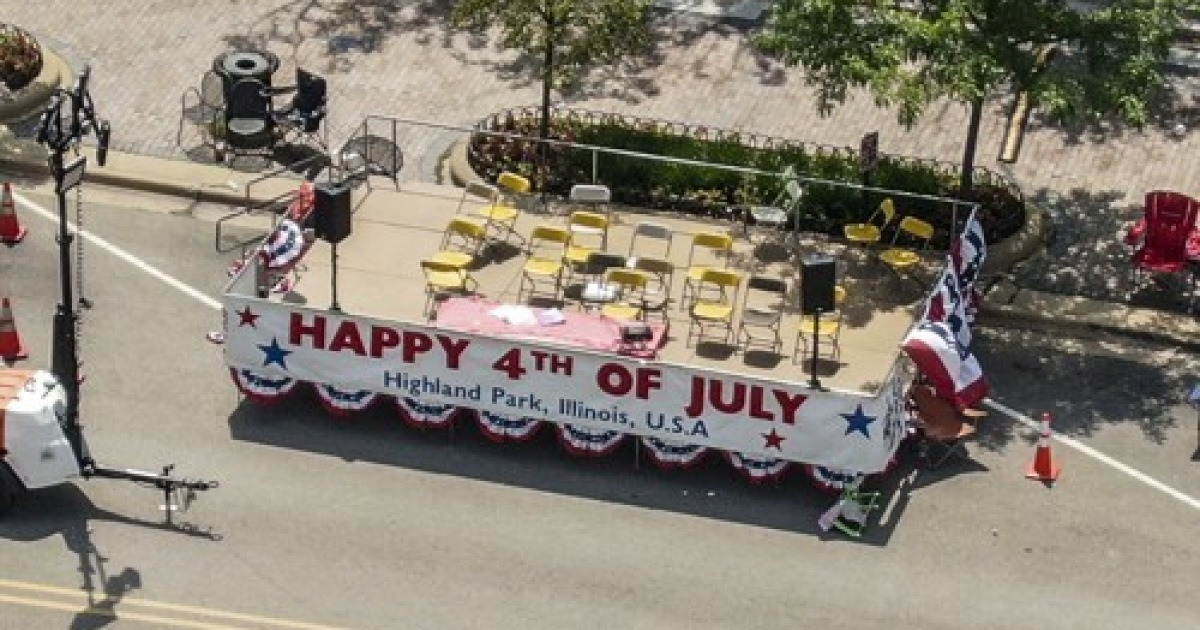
1043, 467
11, 230
11, 347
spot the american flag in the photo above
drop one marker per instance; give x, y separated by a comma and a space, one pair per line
947, 305
967, 256
952, 369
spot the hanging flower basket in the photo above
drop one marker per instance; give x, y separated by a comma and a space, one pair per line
20, 57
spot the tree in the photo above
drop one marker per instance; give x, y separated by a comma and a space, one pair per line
570, 35
1079, 62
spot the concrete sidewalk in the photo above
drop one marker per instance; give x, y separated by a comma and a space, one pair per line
1007, 304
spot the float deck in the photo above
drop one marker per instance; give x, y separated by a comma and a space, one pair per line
379, 276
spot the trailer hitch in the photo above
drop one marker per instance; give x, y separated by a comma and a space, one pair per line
178, 493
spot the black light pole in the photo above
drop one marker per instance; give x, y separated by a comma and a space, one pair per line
70, 117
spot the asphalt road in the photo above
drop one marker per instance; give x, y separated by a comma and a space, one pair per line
368, 524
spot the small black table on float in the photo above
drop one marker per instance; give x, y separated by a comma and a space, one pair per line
245, 64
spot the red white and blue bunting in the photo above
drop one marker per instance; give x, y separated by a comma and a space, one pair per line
668, 455
286, 246
342, 403
831, 480
587, 442
502, 427
758, 469
262, 389
419, 415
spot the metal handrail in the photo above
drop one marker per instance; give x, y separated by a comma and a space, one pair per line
275, 205
596, 149
748, 139
280, 170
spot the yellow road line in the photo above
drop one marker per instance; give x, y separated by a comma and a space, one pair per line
111, 614
179, 608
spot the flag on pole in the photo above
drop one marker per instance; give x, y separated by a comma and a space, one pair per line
948, 305
967, 255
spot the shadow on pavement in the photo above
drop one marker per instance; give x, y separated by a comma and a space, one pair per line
1122, 386
711, 489
65, 510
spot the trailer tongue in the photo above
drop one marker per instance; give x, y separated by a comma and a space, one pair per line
35, 452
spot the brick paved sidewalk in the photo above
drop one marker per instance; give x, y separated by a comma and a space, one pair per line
396, 57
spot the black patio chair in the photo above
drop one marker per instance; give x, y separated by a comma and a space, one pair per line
303, 118
249, 122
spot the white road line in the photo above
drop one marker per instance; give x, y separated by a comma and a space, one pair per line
1097, 455
170, 281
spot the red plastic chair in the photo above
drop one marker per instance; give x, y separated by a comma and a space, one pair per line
1165, 234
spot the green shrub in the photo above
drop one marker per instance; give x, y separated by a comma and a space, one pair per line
700, 189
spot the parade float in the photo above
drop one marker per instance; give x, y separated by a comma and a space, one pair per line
516, 369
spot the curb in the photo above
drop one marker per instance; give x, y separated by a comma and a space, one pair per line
999, 316
25, 156
458, 166
1003, 256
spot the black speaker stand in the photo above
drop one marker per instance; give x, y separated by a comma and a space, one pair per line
813, 381
333, 306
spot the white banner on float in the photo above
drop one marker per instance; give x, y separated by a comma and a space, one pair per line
559, 384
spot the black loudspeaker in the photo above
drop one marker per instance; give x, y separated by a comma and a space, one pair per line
817, 279
331, 215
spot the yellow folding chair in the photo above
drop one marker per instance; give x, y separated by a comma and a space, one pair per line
463, 242
589, 235
443, 280
710, 250
503, 214
547, 246
871, 231
718, 290
918, 234
631, 286
827, 327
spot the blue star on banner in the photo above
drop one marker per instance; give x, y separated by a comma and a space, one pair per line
858, 421
274, 354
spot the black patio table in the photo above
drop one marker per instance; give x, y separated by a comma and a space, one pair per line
245, 64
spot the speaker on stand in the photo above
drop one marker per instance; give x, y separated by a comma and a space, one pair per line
818, 277
332, 222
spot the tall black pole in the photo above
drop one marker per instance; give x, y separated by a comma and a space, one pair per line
813, 380
65, 345
333, 306
59, 136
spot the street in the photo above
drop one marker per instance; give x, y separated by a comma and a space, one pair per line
369, 524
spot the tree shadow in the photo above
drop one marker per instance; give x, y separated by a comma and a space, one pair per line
1173, 112
1087, 256
349, 29
1124, 386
